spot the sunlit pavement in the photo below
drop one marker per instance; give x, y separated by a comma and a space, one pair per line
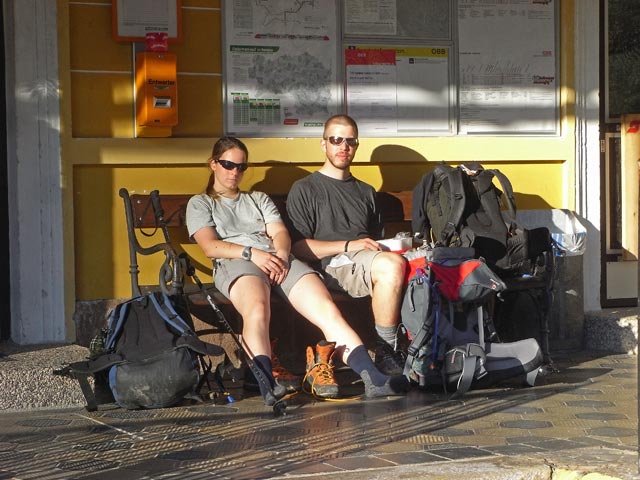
582, 419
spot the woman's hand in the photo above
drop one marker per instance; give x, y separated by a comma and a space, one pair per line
273, 266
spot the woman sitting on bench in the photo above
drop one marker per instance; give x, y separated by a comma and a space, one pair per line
244, 234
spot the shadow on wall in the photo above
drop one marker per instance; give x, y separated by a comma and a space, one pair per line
279, 177
401, 168
413, 166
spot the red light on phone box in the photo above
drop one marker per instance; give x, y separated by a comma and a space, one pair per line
157, 41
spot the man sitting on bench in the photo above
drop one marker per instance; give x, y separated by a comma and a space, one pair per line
335, 223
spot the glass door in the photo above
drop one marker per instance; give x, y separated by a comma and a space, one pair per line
620, 90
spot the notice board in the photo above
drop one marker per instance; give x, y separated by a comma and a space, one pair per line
508, 80
133, 19
281, 67
401, 67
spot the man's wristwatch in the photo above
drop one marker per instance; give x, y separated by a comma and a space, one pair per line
246, 254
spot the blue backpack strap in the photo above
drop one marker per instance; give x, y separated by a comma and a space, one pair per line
172, 318
187, 337
117, 316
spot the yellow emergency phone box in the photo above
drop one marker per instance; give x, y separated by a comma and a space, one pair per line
156, 90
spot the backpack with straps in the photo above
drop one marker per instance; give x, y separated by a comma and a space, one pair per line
462, 207
453, 343
148, 356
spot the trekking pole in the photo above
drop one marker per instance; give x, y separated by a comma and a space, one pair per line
280, 405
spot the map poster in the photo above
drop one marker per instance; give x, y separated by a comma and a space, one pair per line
281, 67
399, 90
508, 83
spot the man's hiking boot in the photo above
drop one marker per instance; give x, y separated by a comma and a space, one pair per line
319, 377
389, 361
394, 386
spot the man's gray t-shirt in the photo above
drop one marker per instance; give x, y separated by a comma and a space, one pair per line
241, 220
324, 208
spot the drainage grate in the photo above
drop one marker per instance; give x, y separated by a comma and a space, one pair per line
198, 422
196, 437
83, 465
209, 409
526, 424
600, 416
41, 439
612, 432
130, 414
43, 422
284, 447
104, 446
522, 410
590, 403
583, 391
452, 432
188, 455
13, 455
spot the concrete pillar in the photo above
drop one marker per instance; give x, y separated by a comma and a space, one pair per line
34, 172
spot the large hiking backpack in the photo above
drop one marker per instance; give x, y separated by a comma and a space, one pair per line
150, 356
453, 343
462, 207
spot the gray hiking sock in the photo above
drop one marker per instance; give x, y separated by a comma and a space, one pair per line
397, 385
388, 335
359, 361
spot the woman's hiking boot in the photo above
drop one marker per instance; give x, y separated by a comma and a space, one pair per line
319, 378
284, 377
291, 382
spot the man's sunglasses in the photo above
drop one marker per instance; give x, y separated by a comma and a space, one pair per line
229, 165
337, 141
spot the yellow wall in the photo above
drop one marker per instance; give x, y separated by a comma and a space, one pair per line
100, 154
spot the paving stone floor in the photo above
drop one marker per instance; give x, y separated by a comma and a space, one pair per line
583, 418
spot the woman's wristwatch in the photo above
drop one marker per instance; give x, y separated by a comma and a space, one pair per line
246, 254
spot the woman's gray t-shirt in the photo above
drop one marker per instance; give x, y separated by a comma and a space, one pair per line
242, 220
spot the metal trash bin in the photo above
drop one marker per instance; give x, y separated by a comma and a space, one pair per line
569, 237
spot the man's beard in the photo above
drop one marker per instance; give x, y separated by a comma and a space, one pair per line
340, 164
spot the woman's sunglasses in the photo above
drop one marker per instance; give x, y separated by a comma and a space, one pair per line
229, 165
337, 141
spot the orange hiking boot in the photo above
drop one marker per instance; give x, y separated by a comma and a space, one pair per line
319, 377
283, 377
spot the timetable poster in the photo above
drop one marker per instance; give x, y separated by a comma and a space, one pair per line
508, 67
398, 91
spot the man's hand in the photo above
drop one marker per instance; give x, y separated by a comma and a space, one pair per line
363, 244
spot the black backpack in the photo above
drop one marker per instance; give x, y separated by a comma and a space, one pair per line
147, 357
453, 343
461, 207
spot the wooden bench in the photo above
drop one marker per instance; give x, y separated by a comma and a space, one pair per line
295, 331
396, 213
